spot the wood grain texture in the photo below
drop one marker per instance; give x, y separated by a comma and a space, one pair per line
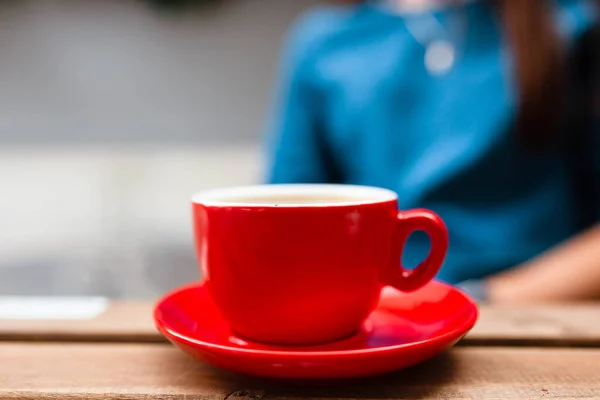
539, 325
124, 321
146, 371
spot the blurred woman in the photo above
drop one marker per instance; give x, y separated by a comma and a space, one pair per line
478, 110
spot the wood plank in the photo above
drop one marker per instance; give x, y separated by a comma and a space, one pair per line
146, 371
123, 321
540, 325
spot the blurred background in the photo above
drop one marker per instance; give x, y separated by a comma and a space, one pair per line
112, 113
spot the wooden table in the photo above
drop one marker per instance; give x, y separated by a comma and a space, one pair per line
513, 352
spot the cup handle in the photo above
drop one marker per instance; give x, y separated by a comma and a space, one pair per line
408, 222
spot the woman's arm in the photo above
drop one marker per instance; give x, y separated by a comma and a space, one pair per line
568, 272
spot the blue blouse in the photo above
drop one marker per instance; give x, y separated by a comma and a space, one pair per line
356, 104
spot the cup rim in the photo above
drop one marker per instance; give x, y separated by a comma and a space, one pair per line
225, 197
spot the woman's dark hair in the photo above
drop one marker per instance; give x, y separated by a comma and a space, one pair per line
539, 66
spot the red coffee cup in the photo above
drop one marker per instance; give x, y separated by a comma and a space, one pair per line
305, 264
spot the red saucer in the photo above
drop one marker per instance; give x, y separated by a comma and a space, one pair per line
404, 330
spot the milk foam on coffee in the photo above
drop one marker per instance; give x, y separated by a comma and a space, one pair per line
293, 199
